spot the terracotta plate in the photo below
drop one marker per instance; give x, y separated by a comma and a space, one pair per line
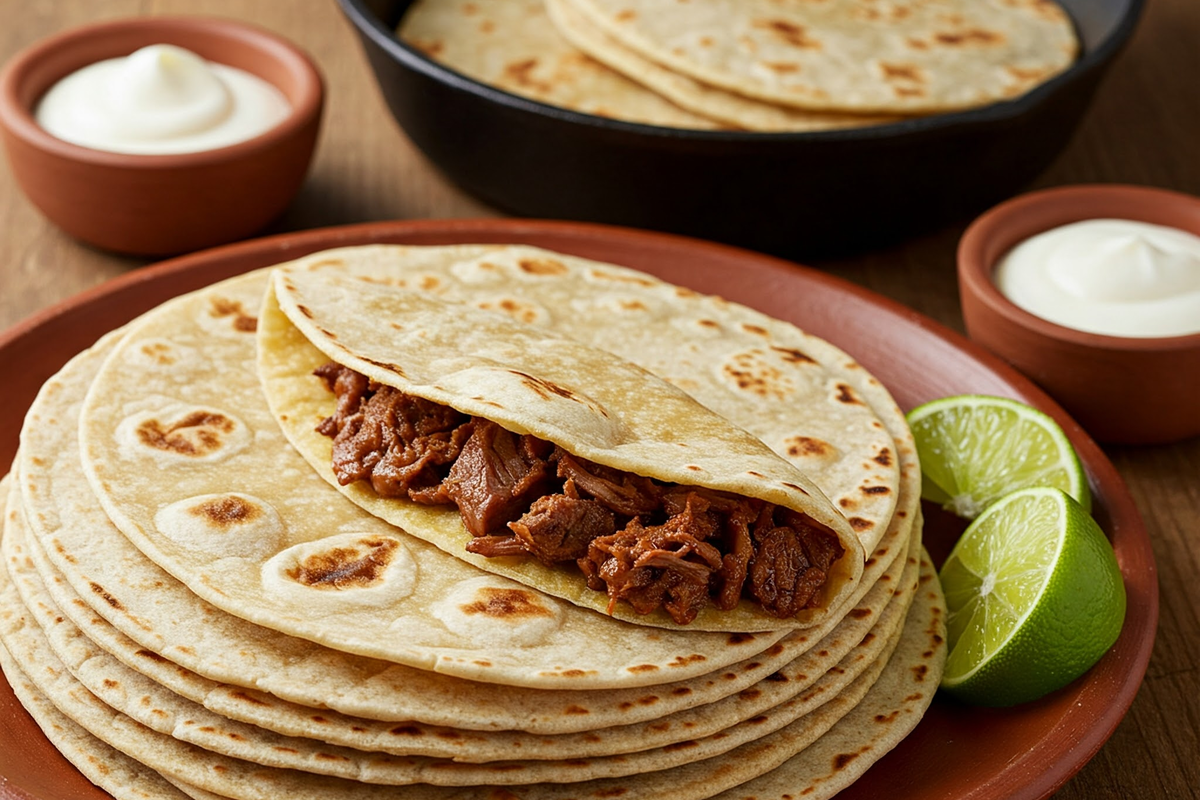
956, 752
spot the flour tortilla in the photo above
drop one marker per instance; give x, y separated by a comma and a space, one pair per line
807, 400
733, 109
94, 651
868, 731
40, 628
528, 379
911, 672
174, 429
511, 44
108, 768
105, 766
166, 620
862, 56
78, 550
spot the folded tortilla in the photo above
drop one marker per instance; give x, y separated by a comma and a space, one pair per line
190, 469
530, 380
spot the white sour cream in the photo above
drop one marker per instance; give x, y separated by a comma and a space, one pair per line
1108, 276
160, 99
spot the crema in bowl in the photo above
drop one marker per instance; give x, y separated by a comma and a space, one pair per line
160, 99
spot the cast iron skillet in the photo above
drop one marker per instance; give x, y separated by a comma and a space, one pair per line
803, 195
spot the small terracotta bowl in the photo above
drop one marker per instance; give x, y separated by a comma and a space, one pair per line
1122, 390
161, 204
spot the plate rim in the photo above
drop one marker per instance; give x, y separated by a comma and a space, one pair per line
1015, 780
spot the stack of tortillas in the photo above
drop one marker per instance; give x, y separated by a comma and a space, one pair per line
149, 630
759, 65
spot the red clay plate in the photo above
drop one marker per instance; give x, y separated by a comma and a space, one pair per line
956, 751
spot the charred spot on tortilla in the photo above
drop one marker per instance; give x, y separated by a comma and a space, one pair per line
395, 369
506, 604
902, 72
792, 355
651, 544
159, 352
970, 37
620, 278
542, 266
196, 434
517, 309
781, 67
345, 567
751, 372
806, 446
846, 395
546, 389
407, 730
108, 598
242, 321
789, 32
227, 511
520, 73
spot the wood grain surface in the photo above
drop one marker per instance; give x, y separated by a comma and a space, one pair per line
1144, 128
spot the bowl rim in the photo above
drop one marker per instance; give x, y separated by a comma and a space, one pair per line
18, 120
370, 25
975, 271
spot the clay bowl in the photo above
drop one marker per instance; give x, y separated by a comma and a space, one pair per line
161, 204
1122, 390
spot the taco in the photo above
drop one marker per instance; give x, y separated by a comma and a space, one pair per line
548, 460
190, 470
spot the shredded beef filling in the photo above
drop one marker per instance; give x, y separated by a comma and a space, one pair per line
648, 543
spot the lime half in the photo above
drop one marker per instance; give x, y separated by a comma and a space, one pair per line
1034, 595
975, 449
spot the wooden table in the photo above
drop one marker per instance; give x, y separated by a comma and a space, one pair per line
1143, 128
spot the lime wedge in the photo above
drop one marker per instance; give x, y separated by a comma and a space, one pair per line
1035, 598
975, 449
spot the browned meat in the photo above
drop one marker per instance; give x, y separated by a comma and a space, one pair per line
669, 565
622, 492
349, 386
649, 544
497, 476
558, 527
820, 548
738, 552
495, 546
781, 576
403, 445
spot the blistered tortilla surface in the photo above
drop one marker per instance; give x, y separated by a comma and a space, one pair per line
894, 56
